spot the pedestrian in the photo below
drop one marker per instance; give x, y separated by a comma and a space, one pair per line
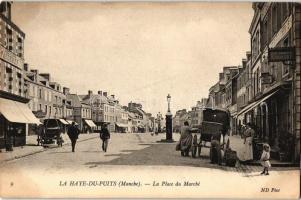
265, 159
185, 139
40, 131
73, 133
246, 153
105, 136
194, 145
215, 149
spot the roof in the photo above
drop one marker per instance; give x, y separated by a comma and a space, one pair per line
75, 100
88, 98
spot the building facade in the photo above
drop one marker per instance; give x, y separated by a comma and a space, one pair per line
275, 97
15, 115
82, 113
197, 112
268, 84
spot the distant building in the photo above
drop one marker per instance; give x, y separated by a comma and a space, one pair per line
143, 119
197, 113
178, 120
82, 113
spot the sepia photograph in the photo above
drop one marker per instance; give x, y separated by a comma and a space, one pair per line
150, 99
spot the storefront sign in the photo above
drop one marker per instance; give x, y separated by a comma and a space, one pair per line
266, 78
281, 54
10, 57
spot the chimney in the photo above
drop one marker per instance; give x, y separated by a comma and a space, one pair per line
66, 90
244, 63
113, 96
25, 67
90, 92
221, 76
248, 54
100, 92
105, 94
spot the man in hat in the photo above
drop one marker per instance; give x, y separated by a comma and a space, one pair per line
105, 136
73, 133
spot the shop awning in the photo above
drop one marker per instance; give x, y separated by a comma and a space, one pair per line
90, 123
121, 125
17, 112
64, 122
254, 104
70, 122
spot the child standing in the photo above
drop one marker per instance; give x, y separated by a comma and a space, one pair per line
265, 157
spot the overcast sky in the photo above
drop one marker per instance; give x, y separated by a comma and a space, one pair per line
137, 51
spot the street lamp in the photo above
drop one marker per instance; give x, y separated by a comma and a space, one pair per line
168, 121
168, 101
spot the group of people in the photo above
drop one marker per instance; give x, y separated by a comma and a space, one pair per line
73, 133
246, 154
188, 142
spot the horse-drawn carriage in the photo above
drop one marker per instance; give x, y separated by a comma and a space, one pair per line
214, 124
50, 132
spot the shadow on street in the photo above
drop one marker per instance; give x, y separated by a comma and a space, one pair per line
165, 155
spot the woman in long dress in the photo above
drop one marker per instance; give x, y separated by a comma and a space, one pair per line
185, 139
246, 153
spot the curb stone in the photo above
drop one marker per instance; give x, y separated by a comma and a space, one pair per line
42, 150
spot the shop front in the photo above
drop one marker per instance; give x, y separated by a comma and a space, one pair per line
271, 118
121, 128
89, 126
14, 119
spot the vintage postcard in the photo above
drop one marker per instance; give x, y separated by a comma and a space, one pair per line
150, 100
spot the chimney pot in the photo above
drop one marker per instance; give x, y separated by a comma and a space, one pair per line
25, 67
66, 90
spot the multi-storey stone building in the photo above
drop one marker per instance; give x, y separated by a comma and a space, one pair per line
47, 99
141, 115
14, 112
82, 113
274, 110
197, 112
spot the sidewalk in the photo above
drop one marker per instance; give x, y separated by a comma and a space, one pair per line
31, 147
236, 144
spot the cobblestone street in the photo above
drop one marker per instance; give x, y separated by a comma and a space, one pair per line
124, 149
130, 157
